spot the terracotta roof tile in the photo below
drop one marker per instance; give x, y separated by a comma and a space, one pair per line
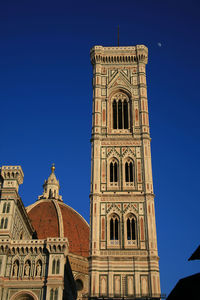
44, 219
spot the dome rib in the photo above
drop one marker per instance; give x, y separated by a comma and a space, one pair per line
60, 218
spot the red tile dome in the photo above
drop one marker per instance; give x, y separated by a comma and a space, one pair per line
52, 218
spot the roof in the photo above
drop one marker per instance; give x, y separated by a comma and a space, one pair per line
195, 255
52, 218
186, 289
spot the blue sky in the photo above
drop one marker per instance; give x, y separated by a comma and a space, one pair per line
46, 102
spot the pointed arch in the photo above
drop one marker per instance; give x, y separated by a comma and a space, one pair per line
8, 208
56, 294
6, 223
114, 227
2, 223
58, 266
131, 227
51, 294
54, 267
114, 170
120, 102
129, 170
4, 208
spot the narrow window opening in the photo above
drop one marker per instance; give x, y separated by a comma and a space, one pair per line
56, 294
133, 229
58, 267
125, 115
51, 294
114, 114
111, 230
126, 172
8, 208
131, 171
6, 223
111, 172
2, 222
4, 208
120, 114
128, 229
115, 172
54, 267
116, 229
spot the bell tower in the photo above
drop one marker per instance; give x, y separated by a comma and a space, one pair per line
123, 250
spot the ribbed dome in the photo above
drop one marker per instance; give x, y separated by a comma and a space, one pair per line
52, 218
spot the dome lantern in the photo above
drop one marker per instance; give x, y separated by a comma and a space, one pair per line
51, 187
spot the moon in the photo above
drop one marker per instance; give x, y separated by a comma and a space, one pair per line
159, 44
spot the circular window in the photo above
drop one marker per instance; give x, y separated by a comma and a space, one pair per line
79, 285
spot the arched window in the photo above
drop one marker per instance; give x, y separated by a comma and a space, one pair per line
114, 228
51, 294
120, 110
56, 295
8, 208
125, 114
79, 285
114, 114
131, 228
4, 208
120, 114
129, 171
54, 267
58, 267
6, 223
113, 171
2, 222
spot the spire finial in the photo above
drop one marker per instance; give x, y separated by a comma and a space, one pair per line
53, 168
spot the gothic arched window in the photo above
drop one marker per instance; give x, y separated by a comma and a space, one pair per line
58, 267
129, 171
8, 208
54, 267
113, 171
114, 114
51, 294
6, 223
56, 295
2, 222
131, 228
121, 112
114, 228
4, 208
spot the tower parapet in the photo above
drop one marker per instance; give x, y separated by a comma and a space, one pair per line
12, 176
119, 55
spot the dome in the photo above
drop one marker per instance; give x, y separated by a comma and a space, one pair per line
53, 218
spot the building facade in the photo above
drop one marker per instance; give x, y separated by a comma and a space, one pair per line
123, 242
44, 248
